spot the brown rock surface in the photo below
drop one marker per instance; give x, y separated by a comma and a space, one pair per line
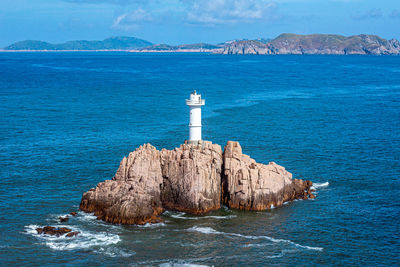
133, 195
249, 185
72, 234
325, 44
192, 177
50, 230
63, 219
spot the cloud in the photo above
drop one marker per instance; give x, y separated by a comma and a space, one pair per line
395, 14
374, 13
213, 12
195, 12
116, 2
132, 19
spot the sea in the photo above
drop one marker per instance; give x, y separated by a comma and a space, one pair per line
68, 118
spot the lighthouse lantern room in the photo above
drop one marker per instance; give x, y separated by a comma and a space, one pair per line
195, 102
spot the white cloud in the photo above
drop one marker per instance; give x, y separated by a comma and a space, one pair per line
214, 12
132, 19
197, 12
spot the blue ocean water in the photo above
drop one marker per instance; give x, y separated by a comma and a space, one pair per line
67, 119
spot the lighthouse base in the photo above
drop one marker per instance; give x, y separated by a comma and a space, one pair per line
193, 142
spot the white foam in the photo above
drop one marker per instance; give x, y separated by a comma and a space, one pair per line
116, 252
84, 240
209, 230
88, 217
319, 185
204, 230
256, 245
175, 262
219, 217
152, 225
181, 215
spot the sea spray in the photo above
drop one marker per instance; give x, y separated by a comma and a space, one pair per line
209, 230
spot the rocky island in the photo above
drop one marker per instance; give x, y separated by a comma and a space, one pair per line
194, 178
287, 43
323, 44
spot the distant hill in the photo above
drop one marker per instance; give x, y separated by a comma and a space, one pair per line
200, 47
317, 44
287, 43
247, 47
113, 43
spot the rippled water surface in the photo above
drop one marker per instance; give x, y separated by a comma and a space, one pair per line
67, 119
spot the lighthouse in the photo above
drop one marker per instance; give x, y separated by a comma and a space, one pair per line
195, 102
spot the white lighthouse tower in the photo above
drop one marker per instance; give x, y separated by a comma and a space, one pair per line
195, 102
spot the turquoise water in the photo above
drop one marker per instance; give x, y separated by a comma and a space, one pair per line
67, 119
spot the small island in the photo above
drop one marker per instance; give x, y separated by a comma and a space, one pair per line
195, 178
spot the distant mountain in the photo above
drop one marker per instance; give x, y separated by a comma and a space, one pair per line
247, 47
264, 40
200, 47
317, 44
113, 43
287, 43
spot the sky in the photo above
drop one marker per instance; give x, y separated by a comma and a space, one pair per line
192, 21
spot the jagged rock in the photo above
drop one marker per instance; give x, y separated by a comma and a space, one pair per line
50, 230
192, 177
329, 44
73, 213
133, 195
63, 219
247, 47
248, 185
72, 234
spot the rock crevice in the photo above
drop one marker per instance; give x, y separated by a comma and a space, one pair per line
194, 178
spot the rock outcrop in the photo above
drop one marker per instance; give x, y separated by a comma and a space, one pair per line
248, 185
247, 47
133, 195
323, 44
51, 230
194, 178
63, 219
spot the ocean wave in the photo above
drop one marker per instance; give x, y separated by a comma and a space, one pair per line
91, 219
181, 215
319, 185
84, 240
175, 262
86, 216
279, 255
209, 230
116, 252
152, 225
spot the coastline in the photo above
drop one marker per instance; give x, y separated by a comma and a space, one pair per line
113, 50
187, 51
